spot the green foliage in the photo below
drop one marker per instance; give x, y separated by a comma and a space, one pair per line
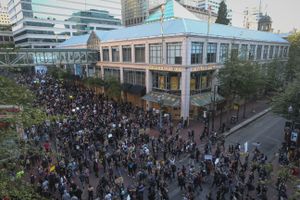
293, 66
113, 88
289, 97
17, 189
93, 82
272, 76
222, 14
14, 94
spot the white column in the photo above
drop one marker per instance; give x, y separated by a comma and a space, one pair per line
204, 52
120, 54
185, 93
132, 54
218, 52
255, 52
164, 52
184, 52
147, 53
87, 70
110, 54
229, 50
121, 75
262, 52
148, 81
102, 72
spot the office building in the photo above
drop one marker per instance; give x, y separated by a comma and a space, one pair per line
4, 18
135, 12
177, 69
44, 24
214, 6
251, 17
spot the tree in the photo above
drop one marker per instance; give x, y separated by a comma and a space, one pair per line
272, 76
222, 14
113, 88
239, 80
293, 65
290, 97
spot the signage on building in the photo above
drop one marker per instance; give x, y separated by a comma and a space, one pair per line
179, 69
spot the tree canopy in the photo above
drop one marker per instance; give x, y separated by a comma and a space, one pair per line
222, 14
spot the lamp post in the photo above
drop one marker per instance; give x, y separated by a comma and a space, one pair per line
160, 103
290, 111
213, 100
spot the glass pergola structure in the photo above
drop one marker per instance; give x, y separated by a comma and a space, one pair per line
47, 57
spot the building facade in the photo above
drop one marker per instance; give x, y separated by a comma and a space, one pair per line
265, 23
136, 12
45, 24
4, 18
177, 70
251, 17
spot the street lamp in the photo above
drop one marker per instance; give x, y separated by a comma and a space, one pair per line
290, 111
213, 100
160, 103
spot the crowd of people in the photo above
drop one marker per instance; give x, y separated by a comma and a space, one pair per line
99, 149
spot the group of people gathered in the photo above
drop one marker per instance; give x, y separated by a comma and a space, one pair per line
99, 148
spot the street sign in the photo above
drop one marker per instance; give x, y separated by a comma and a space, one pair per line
294, 136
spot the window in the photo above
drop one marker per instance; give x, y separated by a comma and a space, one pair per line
211, 53
174, 53
285, 52
105, 54
155, 53
276, 52
197, 53
234, 51
126, 50
115, 54
258, 52
252, 52
139, 51
281, 52
271, 52
112, 73
134, 77
244, 50
224, 51
266, 49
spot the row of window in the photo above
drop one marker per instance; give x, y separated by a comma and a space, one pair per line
174, 53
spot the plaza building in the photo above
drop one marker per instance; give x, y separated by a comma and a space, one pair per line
4, 18
45, 24
173, 64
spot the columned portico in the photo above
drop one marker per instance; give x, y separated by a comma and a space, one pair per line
185, 93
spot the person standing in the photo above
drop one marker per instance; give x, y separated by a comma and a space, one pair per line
90, 192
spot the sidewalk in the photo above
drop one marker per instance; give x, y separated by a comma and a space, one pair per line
253, 109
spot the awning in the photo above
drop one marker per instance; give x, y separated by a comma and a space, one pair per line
204, 99
167, 99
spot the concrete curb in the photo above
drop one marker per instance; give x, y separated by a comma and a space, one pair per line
246, 122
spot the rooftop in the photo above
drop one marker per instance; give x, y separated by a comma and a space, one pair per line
75, 40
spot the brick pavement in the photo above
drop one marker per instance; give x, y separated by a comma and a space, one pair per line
198, 125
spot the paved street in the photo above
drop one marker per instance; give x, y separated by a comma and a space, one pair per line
267, 130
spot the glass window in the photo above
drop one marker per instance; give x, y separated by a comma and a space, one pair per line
234, 51
139, 51
224, 51
271, 52
197, 53
126, 51
266, 49
252, 52
155, 53
285, 52
281, 52
105, 54
134, 77
244, 50
276, 52
211, 53
174, 53
258, 52
112, 73
115, 54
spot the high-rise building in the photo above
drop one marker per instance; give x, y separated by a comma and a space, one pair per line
251, 17
4, 18
45, 24
214, 6
135, 12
